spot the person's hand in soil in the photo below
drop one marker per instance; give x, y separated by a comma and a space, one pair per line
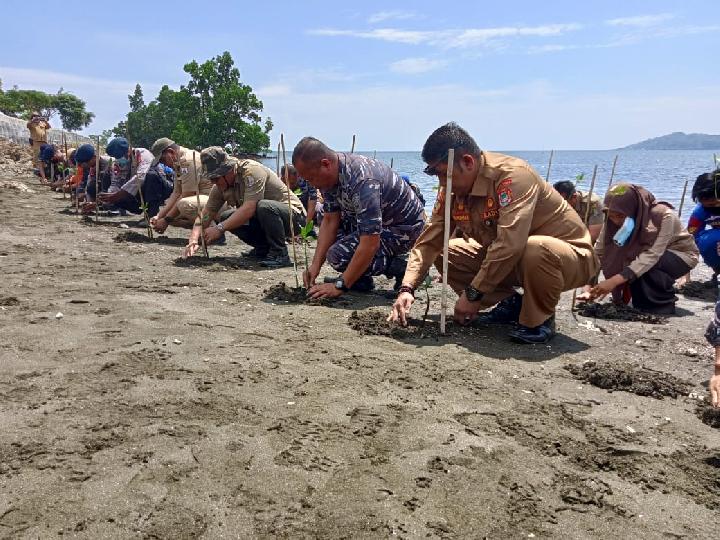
88, 207
465, 310
190, 249
212, 234
714, 385
605, 287
584, 296
310, 275
159, 225
682, 280
401, 308
325, 290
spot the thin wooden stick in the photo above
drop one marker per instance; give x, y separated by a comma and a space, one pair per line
292, 224
612, 173
586, 218
682, 199
199, 210
52, 171
97, 180
67, 159
392, 160
352, 148
715, 161
374, 154
277, 161
547, 174
446, 240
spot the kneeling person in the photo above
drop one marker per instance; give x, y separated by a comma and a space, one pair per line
261, 217
517, 231
385, 213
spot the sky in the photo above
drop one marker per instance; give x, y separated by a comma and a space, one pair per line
522, 75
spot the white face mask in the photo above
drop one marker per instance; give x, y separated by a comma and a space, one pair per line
624, 232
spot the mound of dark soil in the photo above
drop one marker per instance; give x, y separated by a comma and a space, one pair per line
139, 238
637, 380
293, 295
213, 264
9, 301
704, 290
613, 312
374, 323
708, 414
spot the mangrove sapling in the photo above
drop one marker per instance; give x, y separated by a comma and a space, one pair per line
199, 209
305, 233
426, 285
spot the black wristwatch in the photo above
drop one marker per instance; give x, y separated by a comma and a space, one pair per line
472, 294
340, 284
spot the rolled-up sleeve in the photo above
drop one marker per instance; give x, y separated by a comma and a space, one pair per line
215, 201
517, 198
649, 257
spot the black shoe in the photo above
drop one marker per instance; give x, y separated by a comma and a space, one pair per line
276, 261
540, 334
506, 312
396, 269
256, 253
364, 284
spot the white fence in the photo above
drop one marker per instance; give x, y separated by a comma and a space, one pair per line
16, 130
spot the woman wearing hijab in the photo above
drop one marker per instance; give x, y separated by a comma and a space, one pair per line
643, 248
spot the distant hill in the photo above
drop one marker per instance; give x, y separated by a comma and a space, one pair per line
678, 141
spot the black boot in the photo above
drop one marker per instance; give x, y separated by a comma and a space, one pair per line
506, 312
277, 259
540, 334
396, 269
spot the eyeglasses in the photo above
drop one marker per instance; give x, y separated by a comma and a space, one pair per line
430, 169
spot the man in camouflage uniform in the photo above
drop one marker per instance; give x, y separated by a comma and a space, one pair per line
578, 201
181, 208
384, 210
260, 214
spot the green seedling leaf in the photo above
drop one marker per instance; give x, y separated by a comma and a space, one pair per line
306, 230
298, 191
580, 178
427, 282
618, 190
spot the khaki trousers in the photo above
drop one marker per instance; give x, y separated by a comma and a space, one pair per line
188, 209
36, 153
547, 267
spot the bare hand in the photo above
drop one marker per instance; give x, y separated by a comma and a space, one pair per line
88, 207
715, 390
211, 235
602, 289
401, 308
465, 310
158, 224
190, 250
110, 198
326, 290
309, 276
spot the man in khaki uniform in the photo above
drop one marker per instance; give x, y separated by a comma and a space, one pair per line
517, 231
38, 127
260, 214
181, 208
578, 201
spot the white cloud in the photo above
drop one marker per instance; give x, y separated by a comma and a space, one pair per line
414, 66
396, 14
461, 38
542, 49
273, 90
642, 21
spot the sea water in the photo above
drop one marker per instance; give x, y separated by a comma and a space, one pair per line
663, 172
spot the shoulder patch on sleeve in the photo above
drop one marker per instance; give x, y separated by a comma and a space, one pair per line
504, 192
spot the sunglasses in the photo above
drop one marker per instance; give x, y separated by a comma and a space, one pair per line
430, 169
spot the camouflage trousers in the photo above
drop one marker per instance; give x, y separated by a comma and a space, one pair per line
395, 241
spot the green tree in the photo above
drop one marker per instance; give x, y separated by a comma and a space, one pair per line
71, 110
214, 108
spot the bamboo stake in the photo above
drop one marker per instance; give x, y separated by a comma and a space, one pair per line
374, 154
97, 180
446, 240
52, 172
612, 173
352, 148
277, 161
67, 160
682, 199
392, 160
586, 218
547, 174
715, 161
199, 210
292, 224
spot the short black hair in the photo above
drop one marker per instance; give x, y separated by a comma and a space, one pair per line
310, 150
706, 186
451, 135
290, 169
566, 188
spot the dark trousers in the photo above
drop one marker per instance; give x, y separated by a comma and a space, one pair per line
268, 228
155, 190
654, 291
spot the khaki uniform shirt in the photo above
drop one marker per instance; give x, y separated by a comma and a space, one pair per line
508, 203
38, 131
596, 217
254, 182
186, 172
672, 237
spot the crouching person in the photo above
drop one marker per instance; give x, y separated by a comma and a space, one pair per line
385, 215
129, 170
181, 208
260, 214
517, 232
644, 248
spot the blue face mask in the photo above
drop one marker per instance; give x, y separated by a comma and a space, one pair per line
122, 162
624, 232
168, 170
